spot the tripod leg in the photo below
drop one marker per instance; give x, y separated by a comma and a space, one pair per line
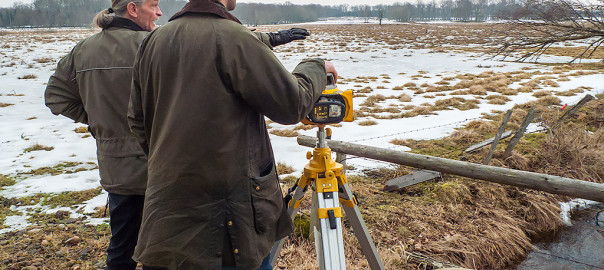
292, 210
328, 236
315, 232
360, 230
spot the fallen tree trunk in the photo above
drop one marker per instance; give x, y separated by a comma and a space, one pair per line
543, 182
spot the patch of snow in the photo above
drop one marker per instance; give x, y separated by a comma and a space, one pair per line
15, 223
566, 208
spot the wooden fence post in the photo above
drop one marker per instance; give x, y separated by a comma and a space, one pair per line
504, 124
575, 108
527, 120
538, 181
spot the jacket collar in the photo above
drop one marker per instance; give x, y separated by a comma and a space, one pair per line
205, 6
125, 23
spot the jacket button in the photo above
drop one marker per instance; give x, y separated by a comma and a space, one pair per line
230, 223
218, 254
236, 251
257, 188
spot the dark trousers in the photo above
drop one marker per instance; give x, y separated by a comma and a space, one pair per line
125, 212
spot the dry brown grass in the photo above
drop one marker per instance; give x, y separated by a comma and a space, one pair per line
410, 85
574, 51
38, 147
570, 92
364, 90
540, 104
304, 127
28, 76
573, 152
404, 98
81, 130
372, 100
525, 89
456, 102
44, 60
532, 84
2, 105
367, 123
418, 110
284, 132
540, 94
481, 126
551, 83
497, 99
283, 168
480, 224
477, 90
465, 137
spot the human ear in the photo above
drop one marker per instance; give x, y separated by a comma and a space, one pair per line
132, 9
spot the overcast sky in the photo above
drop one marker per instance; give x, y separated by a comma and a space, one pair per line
329, 2
9, 3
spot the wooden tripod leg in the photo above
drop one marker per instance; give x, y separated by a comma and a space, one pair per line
292, 211
353, 214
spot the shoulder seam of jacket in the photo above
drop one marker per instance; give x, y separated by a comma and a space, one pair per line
109, 68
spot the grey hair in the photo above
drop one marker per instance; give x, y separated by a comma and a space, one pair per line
103, 19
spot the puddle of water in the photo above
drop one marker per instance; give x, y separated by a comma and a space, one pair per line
580, 246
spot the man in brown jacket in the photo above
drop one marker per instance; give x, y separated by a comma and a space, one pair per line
202, 85
92, 86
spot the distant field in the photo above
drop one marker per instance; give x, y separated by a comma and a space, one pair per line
428, 88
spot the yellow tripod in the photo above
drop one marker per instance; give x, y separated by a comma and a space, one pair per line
330, 188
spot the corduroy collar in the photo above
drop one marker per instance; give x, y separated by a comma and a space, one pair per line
206, 6
125, 23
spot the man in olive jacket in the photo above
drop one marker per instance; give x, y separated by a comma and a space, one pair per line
202, 85
91, 85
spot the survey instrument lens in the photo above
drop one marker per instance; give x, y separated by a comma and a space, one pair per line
335, 111
334, 106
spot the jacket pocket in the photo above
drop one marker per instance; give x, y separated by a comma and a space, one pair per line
119, 147
267, 201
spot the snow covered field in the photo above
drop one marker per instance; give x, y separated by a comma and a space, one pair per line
371, 67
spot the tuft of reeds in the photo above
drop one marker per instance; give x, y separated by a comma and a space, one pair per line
284, 132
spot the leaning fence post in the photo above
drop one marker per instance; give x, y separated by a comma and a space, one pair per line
341, 158
504, 124
575, 108
527, 120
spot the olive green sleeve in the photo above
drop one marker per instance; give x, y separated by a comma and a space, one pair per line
135, 106
62, 93
253, 72
264, 38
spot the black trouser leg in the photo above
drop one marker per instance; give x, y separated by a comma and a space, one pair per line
125, 220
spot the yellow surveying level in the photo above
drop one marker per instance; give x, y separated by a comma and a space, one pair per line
334, 106
330, 191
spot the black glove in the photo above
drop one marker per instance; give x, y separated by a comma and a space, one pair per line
287, 36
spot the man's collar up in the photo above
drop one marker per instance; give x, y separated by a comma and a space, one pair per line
206, 6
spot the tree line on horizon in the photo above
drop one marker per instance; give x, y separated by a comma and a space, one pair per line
69, 13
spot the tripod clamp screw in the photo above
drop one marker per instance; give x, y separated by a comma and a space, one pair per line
308, 155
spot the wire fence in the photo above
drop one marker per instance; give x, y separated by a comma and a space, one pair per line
457, 123
416, 130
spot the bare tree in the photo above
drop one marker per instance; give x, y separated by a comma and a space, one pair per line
365, 11
380, 14
537, 25
463, 10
